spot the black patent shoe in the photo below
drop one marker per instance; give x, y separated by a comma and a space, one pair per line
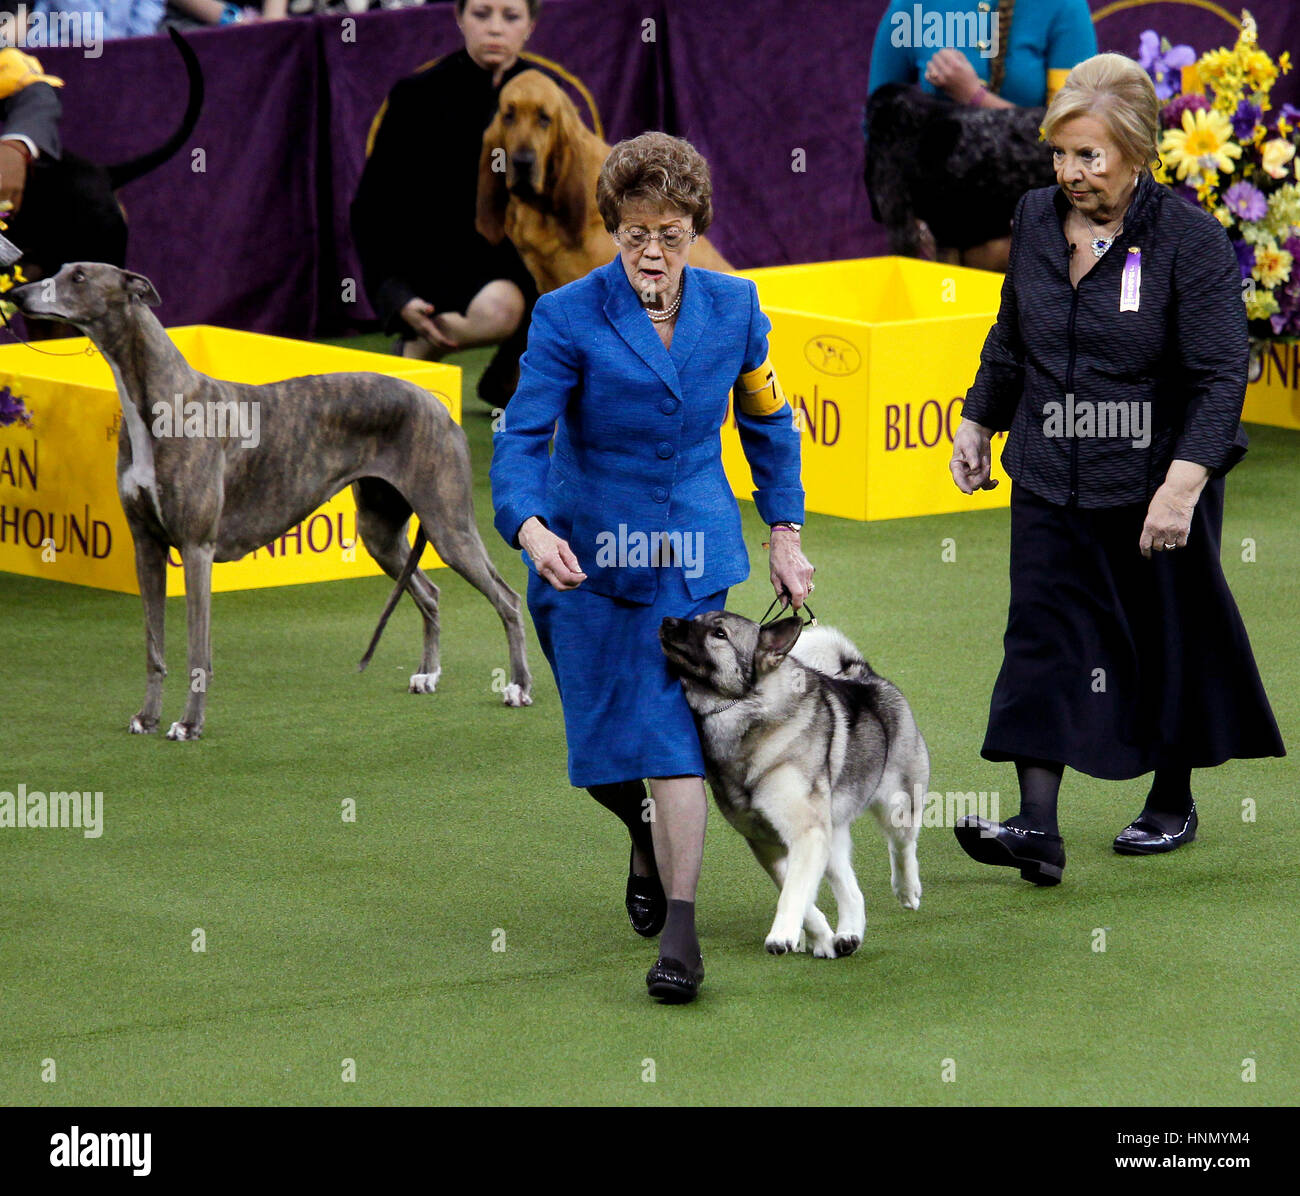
672, 982
1144, 838
1039, 856
647, 905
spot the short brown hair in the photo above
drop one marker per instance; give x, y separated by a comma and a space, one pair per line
1120, 94
657, 169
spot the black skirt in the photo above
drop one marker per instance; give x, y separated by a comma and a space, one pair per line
1114, 664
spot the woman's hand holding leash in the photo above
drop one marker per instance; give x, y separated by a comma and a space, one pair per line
791, 571
552, 556
972, 457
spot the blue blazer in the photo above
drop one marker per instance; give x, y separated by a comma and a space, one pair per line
637, 449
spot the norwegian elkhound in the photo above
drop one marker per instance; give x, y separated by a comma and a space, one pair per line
799, 737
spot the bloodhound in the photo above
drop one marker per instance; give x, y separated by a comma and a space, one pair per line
545, 198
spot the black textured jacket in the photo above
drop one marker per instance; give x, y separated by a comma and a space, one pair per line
1183, 353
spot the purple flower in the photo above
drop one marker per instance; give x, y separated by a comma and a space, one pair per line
12, 410
1291, 112
1286, 321
1171, 116
1246, 201
1245, 257
1244, 120
1160, 60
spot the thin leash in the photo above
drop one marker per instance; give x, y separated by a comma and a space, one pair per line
88, 351
9, 256
784, 599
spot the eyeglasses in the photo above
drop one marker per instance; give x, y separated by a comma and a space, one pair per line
637, 237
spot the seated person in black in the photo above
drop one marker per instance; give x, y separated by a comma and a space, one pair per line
430, 276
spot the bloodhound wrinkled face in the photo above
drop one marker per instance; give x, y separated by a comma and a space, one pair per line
531, 151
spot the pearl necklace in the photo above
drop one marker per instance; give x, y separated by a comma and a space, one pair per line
660, 317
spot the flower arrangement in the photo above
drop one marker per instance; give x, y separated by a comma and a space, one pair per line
10, 277
1225, 149
12, 409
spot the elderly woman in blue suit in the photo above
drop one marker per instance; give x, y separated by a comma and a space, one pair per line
630, 518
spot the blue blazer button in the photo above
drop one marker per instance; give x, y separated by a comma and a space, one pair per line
659, 494
668, 406
665, 450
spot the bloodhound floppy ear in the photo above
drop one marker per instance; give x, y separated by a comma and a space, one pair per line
492, 194
567, 181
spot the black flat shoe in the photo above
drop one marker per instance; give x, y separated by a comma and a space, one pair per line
1144, 838
672, 982
647, 906
1039, 856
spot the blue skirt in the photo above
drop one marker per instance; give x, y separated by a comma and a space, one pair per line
625, 717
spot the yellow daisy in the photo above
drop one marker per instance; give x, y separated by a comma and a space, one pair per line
1275, 155
1272, 265
1203, 143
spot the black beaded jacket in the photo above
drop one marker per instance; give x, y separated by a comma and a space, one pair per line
1080, 384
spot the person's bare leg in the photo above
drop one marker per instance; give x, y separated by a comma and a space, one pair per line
681, 811
492, 315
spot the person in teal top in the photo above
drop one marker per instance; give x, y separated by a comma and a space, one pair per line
1047, 38
953, 50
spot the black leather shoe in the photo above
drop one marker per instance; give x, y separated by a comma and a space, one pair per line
672, 982
647, 906
1144, 838
1039, 856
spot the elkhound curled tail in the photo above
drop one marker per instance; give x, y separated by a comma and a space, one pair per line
799, 737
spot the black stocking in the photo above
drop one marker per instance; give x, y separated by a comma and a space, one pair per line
1040, 782
626, 800
1170, 800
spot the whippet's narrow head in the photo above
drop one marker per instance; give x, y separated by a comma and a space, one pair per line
85, 294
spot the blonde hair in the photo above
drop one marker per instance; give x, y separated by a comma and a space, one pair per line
1120, 94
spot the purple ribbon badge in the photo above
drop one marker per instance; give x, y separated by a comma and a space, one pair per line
1130, 286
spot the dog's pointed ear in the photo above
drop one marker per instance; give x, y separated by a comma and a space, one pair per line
775, 641
140, 289
568, 186
492, 195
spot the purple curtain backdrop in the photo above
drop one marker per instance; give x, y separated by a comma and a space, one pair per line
258, 238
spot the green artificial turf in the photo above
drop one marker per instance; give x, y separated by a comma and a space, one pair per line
373, 941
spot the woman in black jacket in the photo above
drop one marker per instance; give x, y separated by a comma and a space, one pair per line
429, 274
1118, 365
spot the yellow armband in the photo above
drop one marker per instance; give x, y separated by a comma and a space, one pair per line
1056, 77
759, 392
18, 70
